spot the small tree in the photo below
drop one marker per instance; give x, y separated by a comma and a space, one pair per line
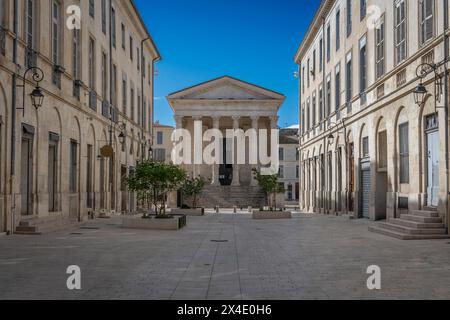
270, 185
192, 189
152, 181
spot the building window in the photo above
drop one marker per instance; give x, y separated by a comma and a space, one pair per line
308, 115
379, 49
104, 76
137, 58
349, 18
132, 104
104, 16
281, 172
30, 23
159, 155
114, 85
426, 20
337, 90
338, 30
53, 172
92, 8
303, 79
365, 147
348, 82
320, 105
281, 154
382, 150
362, 67
297, 171
309, 71
303, 118
400, 30
76, 58
404, 152
362, 9
313, 110
328, 99
113, 27
159, 137
56, 32
320, 55
123, 36
131, 48
328, 43
73, 166
124, 94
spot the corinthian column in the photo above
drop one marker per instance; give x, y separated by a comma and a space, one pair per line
235, 181
255, 127
215, 167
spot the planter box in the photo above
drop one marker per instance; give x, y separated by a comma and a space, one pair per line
137, 222
189, 212
271, 214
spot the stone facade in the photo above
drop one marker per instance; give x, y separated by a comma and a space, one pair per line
226, 103
367, 148
289, 167
52, 168
162, 142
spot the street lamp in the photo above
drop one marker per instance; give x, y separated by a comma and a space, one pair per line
420, 93
122, 138
37, 97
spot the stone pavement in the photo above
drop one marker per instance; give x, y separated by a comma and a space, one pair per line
224, 256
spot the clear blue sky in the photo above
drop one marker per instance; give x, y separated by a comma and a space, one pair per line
253, 40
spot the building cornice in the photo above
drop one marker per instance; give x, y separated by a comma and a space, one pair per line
322, 12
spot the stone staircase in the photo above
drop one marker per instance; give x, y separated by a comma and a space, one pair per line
229, 196
37, 226
417, 224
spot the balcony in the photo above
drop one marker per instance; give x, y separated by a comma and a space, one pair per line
30, 57
2, 41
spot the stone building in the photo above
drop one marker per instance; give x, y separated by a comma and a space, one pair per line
162, 142
53, 171
226, 103
289, 165
367, 148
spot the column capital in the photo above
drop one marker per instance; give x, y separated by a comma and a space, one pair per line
178, 121
236, 121
274, 121
197, 118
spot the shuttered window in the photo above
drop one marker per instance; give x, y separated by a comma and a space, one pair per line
320, 104
404, 152
337, 90
307, 115
362, 9
362, 65
314, 110
379, 49
348, 81
338, 30
76, 57
328, 99
400, 31
56, 32
349, 17
113, 27
92, 8
104, 16
365, 147
328, 44
320, 55
426, 8
73, 166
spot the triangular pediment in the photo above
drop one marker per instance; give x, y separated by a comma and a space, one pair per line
226, 88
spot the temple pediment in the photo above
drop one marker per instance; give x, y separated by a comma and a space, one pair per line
226, 88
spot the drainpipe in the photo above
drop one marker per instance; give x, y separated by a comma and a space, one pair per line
300, 176
324, 104
111, 160
13, 122
153, 106
446, 97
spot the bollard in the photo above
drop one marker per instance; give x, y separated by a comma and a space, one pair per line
234, 209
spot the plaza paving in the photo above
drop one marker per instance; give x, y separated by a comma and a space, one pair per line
224, 256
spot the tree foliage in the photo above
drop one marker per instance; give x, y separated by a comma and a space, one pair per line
153, 180
270, 185
192, 189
